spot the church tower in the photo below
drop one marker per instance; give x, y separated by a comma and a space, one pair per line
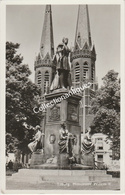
43, 62
83, 57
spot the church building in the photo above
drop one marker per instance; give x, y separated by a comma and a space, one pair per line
83, 59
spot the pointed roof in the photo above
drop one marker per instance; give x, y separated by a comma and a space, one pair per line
47, 41
93, 49
86, 46
83, 33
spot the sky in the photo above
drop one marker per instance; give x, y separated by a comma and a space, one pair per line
24, 25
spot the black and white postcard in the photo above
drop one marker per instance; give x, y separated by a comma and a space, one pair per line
62, 97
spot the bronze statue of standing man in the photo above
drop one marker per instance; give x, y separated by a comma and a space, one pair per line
61, 60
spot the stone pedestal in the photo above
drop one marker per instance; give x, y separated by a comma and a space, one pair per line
87, 159
37, 158
64, 109
63, 161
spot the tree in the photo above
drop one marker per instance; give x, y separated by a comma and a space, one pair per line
21, 97
106, 107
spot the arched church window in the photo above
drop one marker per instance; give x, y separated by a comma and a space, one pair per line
46, 80
77, 72
39, 78
85, 70
92, 72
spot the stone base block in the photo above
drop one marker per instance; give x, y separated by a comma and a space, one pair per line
79, 177
63, 160
37, 158
87, 159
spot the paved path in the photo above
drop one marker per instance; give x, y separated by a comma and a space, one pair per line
16, 185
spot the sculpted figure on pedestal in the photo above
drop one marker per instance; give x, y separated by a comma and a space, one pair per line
37, 142
62, 77
66, 141
87, 145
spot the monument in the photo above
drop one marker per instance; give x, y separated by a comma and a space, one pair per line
64, 112
62, 105
62, 143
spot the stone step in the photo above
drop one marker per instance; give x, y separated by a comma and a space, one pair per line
26, 179
89, 172
39, 184
55, 166
61, 179
38, 176
33, 172
76, 179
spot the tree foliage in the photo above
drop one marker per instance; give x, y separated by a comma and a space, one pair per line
106, 107
21, 97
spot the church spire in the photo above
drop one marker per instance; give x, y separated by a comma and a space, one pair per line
43, 64
83, 34
47, 42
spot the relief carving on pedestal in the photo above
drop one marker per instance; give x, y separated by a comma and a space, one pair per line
73, 112
54, 114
